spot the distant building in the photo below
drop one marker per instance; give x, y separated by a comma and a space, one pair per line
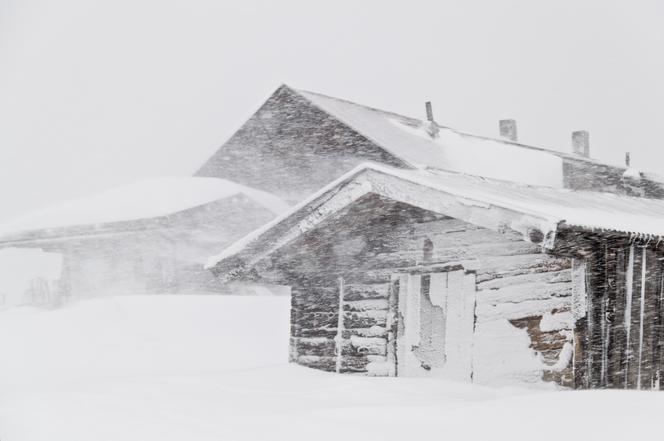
152, 236
298, 141
431, 273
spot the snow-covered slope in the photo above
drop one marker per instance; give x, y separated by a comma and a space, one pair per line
143, 199
407, 138
214, 368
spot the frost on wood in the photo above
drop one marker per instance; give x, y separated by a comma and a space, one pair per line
500, 291
478, 292
369, 297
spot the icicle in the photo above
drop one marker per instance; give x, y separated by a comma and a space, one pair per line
628, 306
606, 335
631, 238
642, 315
658, 366
338, 339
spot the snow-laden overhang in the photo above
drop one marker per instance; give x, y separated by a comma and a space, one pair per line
133, 208
537, 213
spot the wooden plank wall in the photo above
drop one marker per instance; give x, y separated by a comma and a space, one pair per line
515, 281
618, 341
517, 284
623, 347
536, 298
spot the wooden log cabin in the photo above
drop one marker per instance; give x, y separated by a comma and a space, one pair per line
427, 273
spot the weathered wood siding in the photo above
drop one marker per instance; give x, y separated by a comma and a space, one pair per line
620, 330
535, 299
593, 176
523, 296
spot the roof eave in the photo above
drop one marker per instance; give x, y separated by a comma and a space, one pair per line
387, 182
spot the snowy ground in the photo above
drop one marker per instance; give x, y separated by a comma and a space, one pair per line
214, 368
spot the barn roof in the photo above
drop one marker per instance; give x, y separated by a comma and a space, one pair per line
141, 200
453, 150
535, 212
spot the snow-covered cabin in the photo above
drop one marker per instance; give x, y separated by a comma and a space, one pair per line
431, 273
152, 236
299, 141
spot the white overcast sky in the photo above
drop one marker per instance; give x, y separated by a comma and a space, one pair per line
99, 93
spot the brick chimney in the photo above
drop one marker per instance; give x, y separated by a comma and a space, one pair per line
508, 129
581, 143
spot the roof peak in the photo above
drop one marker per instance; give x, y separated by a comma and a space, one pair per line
560, 153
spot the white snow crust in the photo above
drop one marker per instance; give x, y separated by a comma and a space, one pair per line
409, 139
557, 321
162, 368
587, 209
632, 173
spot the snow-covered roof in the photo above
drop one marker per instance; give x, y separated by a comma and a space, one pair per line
485, 202
407, 139
145, 199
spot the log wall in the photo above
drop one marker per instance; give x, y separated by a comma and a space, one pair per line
523, 296
620, 329
316, 336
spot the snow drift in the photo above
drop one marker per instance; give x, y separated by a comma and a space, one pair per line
214, 367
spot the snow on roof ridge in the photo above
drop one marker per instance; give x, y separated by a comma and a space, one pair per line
375, 109
267, 200
559, 153
588, 194
238, 245
460, 189
138, 200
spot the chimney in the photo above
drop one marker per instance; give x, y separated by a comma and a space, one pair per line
627, 160
508, 129
581, 143
429, 111
431, 127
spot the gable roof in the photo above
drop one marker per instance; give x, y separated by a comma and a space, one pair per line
365, 119
139, 201
407, 139
535, 212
